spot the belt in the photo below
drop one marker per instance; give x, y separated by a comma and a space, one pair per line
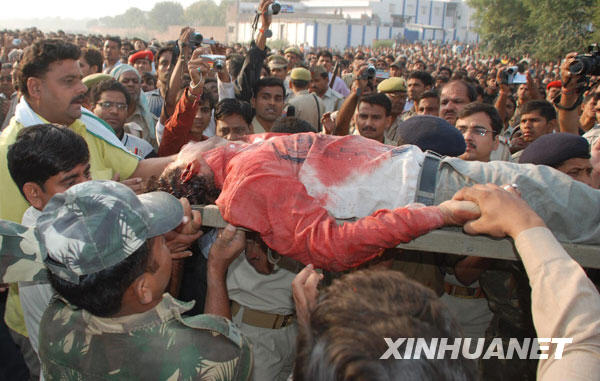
261, 319
463, 292
427, 179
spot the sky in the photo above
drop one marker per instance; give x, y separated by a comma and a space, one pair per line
74, 9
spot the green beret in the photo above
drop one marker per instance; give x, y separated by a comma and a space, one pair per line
391, 85
300, 74
93, 79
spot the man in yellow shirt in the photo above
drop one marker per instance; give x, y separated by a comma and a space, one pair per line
49, 80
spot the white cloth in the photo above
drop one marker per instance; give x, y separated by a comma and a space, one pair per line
332, 100
362, 194
136, 145
270, 293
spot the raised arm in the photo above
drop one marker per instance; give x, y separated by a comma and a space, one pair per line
568, 107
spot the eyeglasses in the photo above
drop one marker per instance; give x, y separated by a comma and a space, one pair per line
477, 130
108, 105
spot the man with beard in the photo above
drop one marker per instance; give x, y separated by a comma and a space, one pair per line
138, 108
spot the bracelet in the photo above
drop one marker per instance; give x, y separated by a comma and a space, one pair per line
195, 86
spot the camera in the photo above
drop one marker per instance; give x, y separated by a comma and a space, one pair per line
369, 73
195, 40
219, 65
274, 8
512, 76
587, 64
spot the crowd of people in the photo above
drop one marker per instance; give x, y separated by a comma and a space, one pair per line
107, 142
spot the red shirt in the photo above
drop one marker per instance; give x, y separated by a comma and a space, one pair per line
261, 191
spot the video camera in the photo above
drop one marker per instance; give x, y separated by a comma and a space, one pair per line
587, 64
370, 73
274, 8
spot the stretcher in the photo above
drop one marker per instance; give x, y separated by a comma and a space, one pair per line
450, 240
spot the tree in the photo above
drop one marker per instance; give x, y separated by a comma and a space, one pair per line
545, 29
165, 14
134, 17
204, 12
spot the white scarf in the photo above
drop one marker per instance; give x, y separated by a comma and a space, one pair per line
94, 125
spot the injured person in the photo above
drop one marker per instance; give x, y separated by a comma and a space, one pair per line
292, 188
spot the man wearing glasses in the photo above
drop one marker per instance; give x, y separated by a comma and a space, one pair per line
480, 125
110, 100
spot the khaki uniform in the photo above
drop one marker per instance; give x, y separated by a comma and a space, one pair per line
309, 107
332, 100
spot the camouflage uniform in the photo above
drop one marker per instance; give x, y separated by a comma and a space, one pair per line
155, 345
92, 227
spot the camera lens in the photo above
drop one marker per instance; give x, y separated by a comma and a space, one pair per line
275, 8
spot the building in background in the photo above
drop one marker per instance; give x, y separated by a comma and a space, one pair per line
340, 24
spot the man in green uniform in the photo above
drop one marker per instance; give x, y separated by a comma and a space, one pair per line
105, 254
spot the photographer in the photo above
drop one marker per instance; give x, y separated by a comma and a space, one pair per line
570, 96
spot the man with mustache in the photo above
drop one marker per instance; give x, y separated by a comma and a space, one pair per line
373, 117
49, 77
480, 125
454, 97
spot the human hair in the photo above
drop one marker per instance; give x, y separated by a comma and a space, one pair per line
344, 338
325, 53
38, 57
471, 92
147, 75
231, 106
379, 99
93, 57
544, 108
267, 82
489, 110
422, 76
446, 68
108, 85
161, 51
236, 62
292, 125
116, 39
429, 94
101, 293
199, 190
42, 151
300, 83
